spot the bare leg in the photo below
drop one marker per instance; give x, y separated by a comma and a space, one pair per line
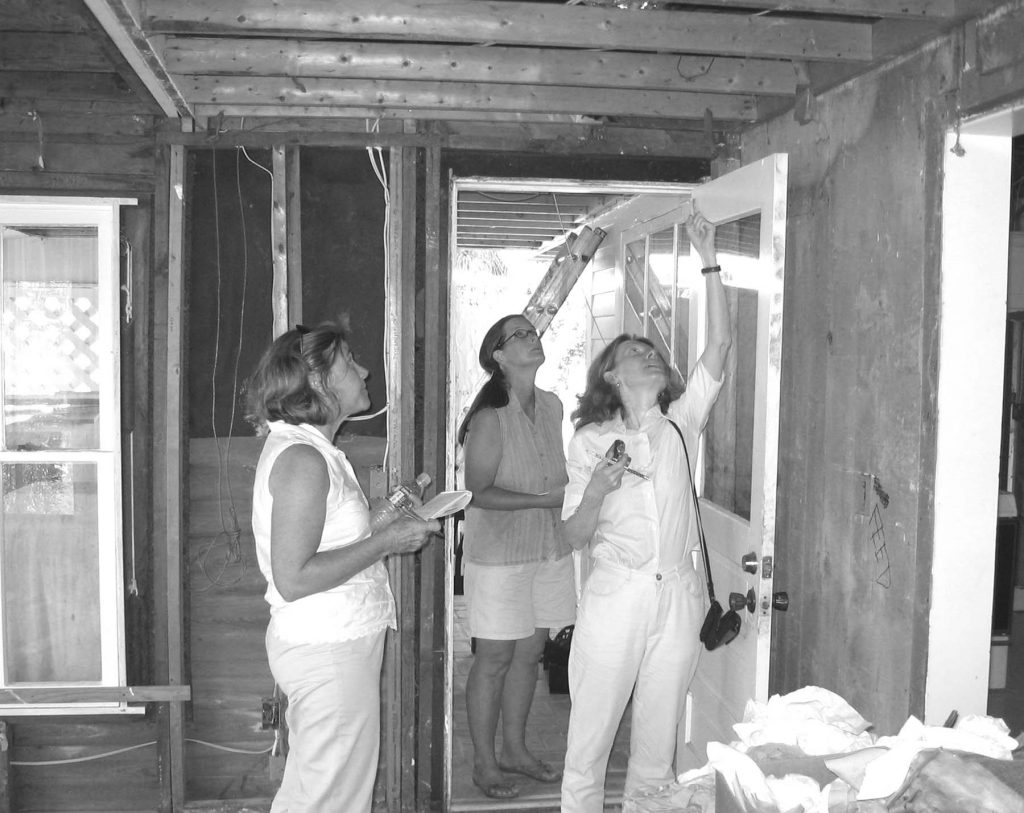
520, 684
484, 688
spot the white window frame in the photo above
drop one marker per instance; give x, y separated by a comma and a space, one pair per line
72, 697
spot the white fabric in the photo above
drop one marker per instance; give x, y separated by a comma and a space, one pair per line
645, 525
632, 628
362, 605
334, 720
511, 602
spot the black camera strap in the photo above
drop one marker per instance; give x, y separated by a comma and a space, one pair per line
696, 508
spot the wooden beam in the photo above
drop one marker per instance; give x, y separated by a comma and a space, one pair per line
931, 9
118, 20
95, 694
285, 93
266, 56
519, 23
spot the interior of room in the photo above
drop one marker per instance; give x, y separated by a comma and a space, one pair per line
237, 168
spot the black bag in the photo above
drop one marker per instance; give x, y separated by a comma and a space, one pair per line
719, 628
556, 660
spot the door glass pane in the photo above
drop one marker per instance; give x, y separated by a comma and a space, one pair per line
50, 337
659, 290
49, 564
729, 437
633, 285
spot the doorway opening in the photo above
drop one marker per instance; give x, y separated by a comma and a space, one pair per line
532, 247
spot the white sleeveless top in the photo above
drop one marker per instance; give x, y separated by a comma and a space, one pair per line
361, 606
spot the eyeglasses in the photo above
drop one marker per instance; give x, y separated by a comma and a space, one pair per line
518, 333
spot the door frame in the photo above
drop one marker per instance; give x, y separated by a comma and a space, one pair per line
496, 183
974, 258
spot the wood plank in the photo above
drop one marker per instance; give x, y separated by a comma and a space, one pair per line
104, 87
31, 15
76, 129
94, 694
117, 17
283, 92
52, 51
27, 181
522, 23
440, 63
112, 160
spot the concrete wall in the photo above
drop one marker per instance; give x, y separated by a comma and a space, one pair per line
856, 458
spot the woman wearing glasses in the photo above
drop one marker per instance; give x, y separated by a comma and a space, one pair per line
330, 602
519, 575
643, 603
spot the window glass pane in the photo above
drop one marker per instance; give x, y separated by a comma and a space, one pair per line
49, 565
729, 436
50, 337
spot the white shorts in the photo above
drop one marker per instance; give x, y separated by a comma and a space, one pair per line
510, 602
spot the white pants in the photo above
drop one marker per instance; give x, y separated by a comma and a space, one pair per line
639, 630
333, 723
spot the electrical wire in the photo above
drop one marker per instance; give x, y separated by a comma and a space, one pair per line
376, 156
116, 751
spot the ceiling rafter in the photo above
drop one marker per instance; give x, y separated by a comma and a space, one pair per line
474, 63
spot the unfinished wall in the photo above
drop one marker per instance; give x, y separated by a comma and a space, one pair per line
856, 456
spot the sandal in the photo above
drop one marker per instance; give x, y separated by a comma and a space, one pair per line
500, 789
538, 770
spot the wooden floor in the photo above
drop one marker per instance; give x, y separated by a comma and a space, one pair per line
545, 737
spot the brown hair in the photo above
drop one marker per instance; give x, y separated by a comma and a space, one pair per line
601, 401
494, 393
290, 381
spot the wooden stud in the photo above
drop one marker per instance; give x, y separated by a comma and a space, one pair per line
174, 457
433, 643
279, 241
293, 187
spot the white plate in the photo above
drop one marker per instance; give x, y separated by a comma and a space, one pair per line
444, 504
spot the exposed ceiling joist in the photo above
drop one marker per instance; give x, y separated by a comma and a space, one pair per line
522, 23
241, 91
473, 63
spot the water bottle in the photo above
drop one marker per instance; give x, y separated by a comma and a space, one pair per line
401, 501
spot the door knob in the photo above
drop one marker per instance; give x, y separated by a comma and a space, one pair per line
749, 562
737, 601
780, 601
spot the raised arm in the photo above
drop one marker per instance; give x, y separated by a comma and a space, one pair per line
483, 456
299, 483
702, 235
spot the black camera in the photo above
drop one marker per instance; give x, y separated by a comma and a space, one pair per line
616, 450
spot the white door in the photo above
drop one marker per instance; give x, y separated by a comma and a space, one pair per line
663, 299
739, 451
